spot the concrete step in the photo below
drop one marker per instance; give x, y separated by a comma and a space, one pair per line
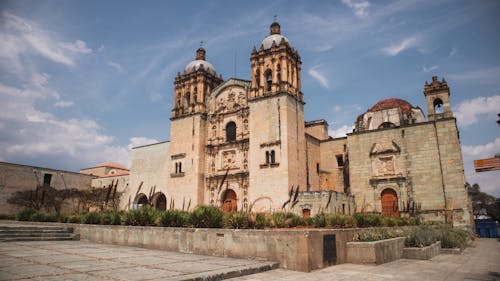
20, 239
36, 233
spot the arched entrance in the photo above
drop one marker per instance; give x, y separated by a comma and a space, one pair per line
229, 201
306, 213
140, 200
389, 200
161, 202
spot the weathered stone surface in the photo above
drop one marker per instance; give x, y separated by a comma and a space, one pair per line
376, 252
424, 253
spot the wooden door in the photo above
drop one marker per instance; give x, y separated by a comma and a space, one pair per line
390, 203
306, 213
229, 202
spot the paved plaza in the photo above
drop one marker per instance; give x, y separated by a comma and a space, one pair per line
479, 262
77, 260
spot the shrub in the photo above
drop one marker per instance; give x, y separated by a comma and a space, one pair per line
91, 218
110, 218
262, 220
25, 214
38, 217
375, 235
292, 220
51, 217
421, 237
453, 238
174, 218
144, 216
207, 217
7, 216
319, 220
74, 218
236, 220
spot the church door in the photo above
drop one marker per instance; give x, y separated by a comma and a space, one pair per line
229, 201
390, 203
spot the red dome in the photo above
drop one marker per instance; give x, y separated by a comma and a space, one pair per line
392, 103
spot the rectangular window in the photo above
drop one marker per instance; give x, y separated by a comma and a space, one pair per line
47, 178
273, 158
317, 168
340, 160
268, 160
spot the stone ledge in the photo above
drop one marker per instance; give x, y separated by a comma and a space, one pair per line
424, 253
376, 252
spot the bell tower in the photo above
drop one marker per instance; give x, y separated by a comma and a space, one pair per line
437, 97
193, 86
275, 66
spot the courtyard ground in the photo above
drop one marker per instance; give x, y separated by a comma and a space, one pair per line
78, 260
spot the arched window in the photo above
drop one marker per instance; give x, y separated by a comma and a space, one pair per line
278, 73
269, 79
188, 99
257, 78
386, 125
230, 132
438, 106
273, 157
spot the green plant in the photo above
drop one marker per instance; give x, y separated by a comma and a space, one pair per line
174, 218
7, 216
421, 237
262, 220
319, 220
74, 218
38, 217
25, 214
144, 216
51, 217
91, 218
236, 220
207, 217
109, 218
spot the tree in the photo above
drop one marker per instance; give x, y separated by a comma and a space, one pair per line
483, 203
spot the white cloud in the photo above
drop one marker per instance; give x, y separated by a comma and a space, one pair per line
360, 8
315, 73
21, 37
453, 52
484, 150
77, 47
488, 181
63, 104
115, 65
336, 108
397, 48
341, 132
432, 68
140, 141
467, 111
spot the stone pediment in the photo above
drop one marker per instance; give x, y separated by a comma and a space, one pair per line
385, 147
229, 97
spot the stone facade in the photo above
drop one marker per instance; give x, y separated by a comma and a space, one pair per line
243, 145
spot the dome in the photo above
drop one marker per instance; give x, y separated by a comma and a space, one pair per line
274, 36
268, 41
392, 103
196, 64
199, 62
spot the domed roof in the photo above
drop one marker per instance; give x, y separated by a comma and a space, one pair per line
268, 41
200, 62
274, 36
196, 64
112, 165
392, 103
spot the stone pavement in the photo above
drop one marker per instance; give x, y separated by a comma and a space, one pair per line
77, 260
479, 262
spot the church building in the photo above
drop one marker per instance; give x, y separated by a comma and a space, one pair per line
244, 145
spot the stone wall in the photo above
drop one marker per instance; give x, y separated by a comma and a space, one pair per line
14, 177
317, 202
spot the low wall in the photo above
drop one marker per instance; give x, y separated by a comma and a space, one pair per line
376, 252
424, 253
294, 249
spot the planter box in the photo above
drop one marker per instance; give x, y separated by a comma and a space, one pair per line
376, 252
424, 253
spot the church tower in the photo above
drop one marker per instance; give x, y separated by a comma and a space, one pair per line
277, 132
275, 66
188, 130
437, 97
193, 86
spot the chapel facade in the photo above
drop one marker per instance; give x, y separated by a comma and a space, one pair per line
244, 145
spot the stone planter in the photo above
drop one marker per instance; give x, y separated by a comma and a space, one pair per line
376, 252
424, 253
451, 251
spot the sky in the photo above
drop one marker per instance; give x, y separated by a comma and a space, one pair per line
82, 82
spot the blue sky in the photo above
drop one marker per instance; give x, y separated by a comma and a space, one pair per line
81, 82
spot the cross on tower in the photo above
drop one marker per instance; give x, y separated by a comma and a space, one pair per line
275, 16
201, 43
